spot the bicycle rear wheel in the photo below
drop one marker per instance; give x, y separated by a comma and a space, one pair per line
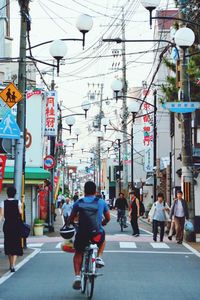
83, 283
90, 286
122, 224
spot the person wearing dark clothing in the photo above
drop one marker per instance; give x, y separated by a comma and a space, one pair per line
121, 204
11, 210
134, 213
179, 211
76, 197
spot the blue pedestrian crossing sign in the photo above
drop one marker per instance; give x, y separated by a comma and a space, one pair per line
9, 128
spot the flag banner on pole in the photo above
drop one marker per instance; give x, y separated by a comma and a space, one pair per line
51, 122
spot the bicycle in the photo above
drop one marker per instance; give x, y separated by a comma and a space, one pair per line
122, 219
89, 270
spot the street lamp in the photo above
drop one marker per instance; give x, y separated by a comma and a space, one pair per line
105, 123
70, 121
118, 137
84, 24
117, 86
86, 106
133, 108
150, 6
58, 50
77, 132
184, 38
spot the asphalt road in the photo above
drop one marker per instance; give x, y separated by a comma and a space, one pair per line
135, 268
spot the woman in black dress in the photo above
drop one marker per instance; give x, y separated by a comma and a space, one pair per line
11, 210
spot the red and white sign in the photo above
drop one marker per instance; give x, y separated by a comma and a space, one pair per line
2, 169
51, 114
29, 94
49, 162
148, 131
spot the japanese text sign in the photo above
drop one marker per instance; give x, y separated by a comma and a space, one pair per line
51, 114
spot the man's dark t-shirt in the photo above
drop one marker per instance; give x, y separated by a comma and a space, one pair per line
121, 203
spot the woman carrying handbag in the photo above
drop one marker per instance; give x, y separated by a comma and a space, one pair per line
11, 210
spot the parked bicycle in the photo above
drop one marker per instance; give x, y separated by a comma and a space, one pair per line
89, 270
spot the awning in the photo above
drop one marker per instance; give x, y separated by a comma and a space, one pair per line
30, 173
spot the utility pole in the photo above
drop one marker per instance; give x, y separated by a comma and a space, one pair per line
155, 146
124, 107
21, 106
99, 139
186, 128
52, 153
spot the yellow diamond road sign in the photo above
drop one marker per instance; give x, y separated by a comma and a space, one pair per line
11, 95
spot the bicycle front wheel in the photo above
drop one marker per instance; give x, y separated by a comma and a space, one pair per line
90, 286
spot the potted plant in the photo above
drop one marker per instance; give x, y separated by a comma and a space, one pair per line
38, 227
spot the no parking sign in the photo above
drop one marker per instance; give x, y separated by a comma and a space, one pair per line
49, 162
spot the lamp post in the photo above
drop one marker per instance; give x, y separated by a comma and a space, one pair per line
84, 24
99, 135
118, 138
133, 108
184, 38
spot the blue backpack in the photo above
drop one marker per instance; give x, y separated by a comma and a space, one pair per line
88, 218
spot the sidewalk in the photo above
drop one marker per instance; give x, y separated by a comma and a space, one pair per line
4, 264
195, 246
52, 236
57, 225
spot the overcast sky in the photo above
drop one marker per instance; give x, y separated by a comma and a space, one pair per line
54, 19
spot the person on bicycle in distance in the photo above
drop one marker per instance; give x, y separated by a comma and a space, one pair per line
121, 204
83, 237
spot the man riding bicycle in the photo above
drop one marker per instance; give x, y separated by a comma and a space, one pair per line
84, 208
121, 204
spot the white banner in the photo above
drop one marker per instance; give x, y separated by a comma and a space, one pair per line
148, 159
51, 122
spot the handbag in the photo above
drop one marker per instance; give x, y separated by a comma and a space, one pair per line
24, 230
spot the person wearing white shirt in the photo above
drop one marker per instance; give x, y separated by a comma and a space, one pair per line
67, 209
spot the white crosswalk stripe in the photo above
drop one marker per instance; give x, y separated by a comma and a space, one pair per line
35, 245
159, 245
127, 245
133, 245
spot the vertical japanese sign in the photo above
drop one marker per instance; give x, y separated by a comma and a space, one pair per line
2, 169
51, 114
148, 133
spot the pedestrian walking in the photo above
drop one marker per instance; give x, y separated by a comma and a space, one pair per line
121, 205
60, 198
159, 214
66, 210
76, 197
179, 211
134, 213
11, 210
